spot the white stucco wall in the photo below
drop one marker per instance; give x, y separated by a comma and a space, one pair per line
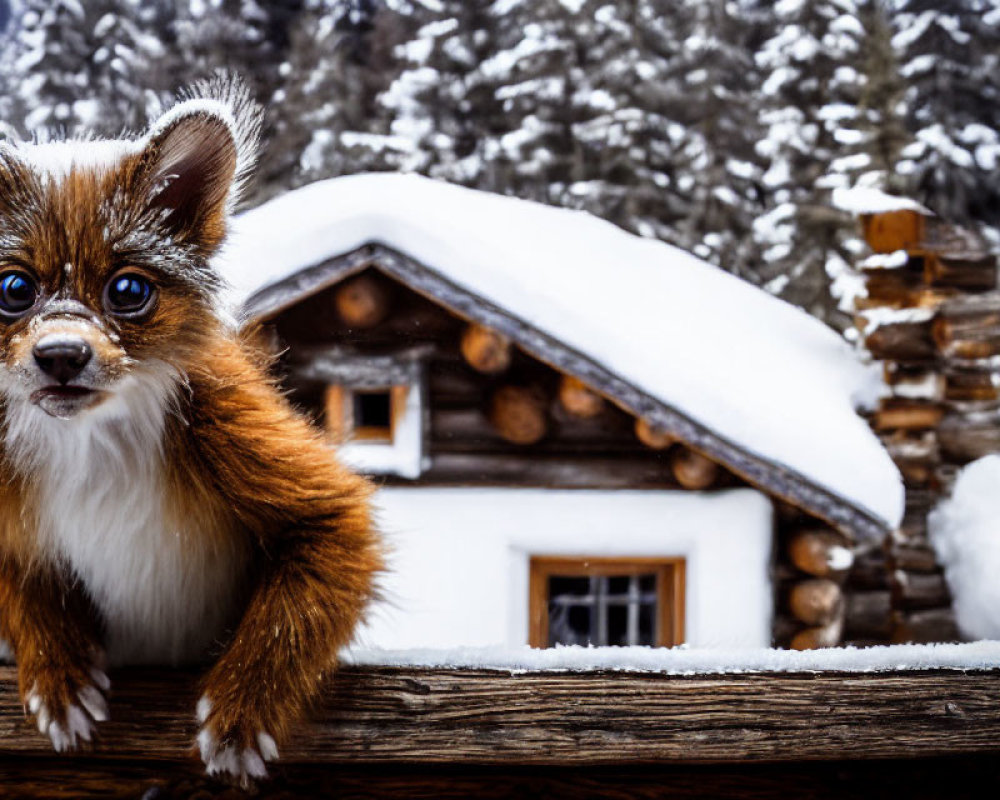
459, 564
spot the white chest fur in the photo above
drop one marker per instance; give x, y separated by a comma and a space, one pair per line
165, 592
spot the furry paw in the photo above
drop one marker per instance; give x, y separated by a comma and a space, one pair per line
235, 750
67, 708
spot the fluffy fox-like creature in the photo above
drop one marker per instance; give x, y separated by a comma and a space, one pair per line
160, 501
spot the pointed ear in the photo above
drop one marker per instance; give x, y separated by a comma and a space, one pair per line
188, 171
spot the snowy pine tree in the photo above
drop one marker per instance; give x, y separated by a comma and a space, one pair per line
712, 80
949, 54
811, 87
72, 65
328, 120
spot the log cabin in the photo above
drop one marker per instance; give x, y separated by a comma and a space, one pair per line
580, 436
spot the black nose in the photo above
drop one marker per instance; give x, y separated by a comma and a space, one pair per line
63, 359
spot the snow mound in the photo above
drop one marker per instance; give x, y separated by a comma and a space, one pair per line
965, 532
685, 661
755, 370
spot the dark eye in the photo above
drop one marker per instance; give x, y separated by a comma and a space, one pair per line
17, 293
128, 294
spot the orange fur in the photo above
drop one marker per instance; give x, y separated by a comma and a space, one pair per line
245, 477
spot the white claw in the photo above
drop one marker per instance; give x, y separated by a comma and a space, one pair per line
43, 718
34, 700
103, 681
225, 760
207, 745
79, 725
60, 740
204, 708
94, 702
247, 765
253, 764
267, 746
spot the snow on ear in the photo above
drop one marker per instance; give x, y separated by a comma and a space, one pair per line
190, 163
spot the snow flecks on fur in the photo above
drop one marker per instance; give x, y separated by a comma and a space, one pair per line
58, 159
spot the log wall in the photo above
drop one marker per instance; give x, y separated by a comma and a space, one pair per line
484, 410
932, 317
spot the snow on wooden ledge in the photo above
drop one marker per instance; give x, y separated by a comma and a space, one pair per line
981, 655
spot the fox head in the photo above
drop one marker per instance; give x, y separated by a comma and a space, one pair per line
106, 284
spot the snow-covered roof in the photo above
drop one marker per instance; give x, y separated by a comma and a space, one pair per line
867, 200
738, 370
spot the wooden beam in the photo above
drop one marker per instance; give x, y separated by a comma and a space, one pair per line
385, 715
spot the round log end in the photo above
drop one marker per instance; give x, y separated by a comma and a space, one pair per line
821, 553
485, 350
578, 399
693, 470
817, 601
655, 438
362, 302
818, 636
518, 414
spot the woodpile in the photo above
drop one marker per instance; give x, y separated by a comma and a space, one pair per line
932, 316
815, 561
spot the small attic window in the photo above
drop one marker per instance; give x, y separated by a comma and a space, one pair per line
373, 410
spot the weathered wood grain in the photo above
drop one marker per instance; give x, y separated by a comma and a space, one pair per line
434, 716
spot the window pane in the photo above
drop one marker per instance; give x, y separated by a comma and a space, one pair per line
602, 609
618, 625
647, 623
569, 586
372, 410
569, 624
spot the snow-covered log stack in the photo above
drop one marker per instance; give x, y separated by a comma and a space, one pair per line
931, 315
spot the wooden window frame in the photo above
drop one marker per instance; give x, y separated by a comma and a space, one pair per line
339, 406
670, 589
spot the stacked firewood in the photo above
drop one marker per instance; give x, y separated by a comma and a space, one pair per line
932, 317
